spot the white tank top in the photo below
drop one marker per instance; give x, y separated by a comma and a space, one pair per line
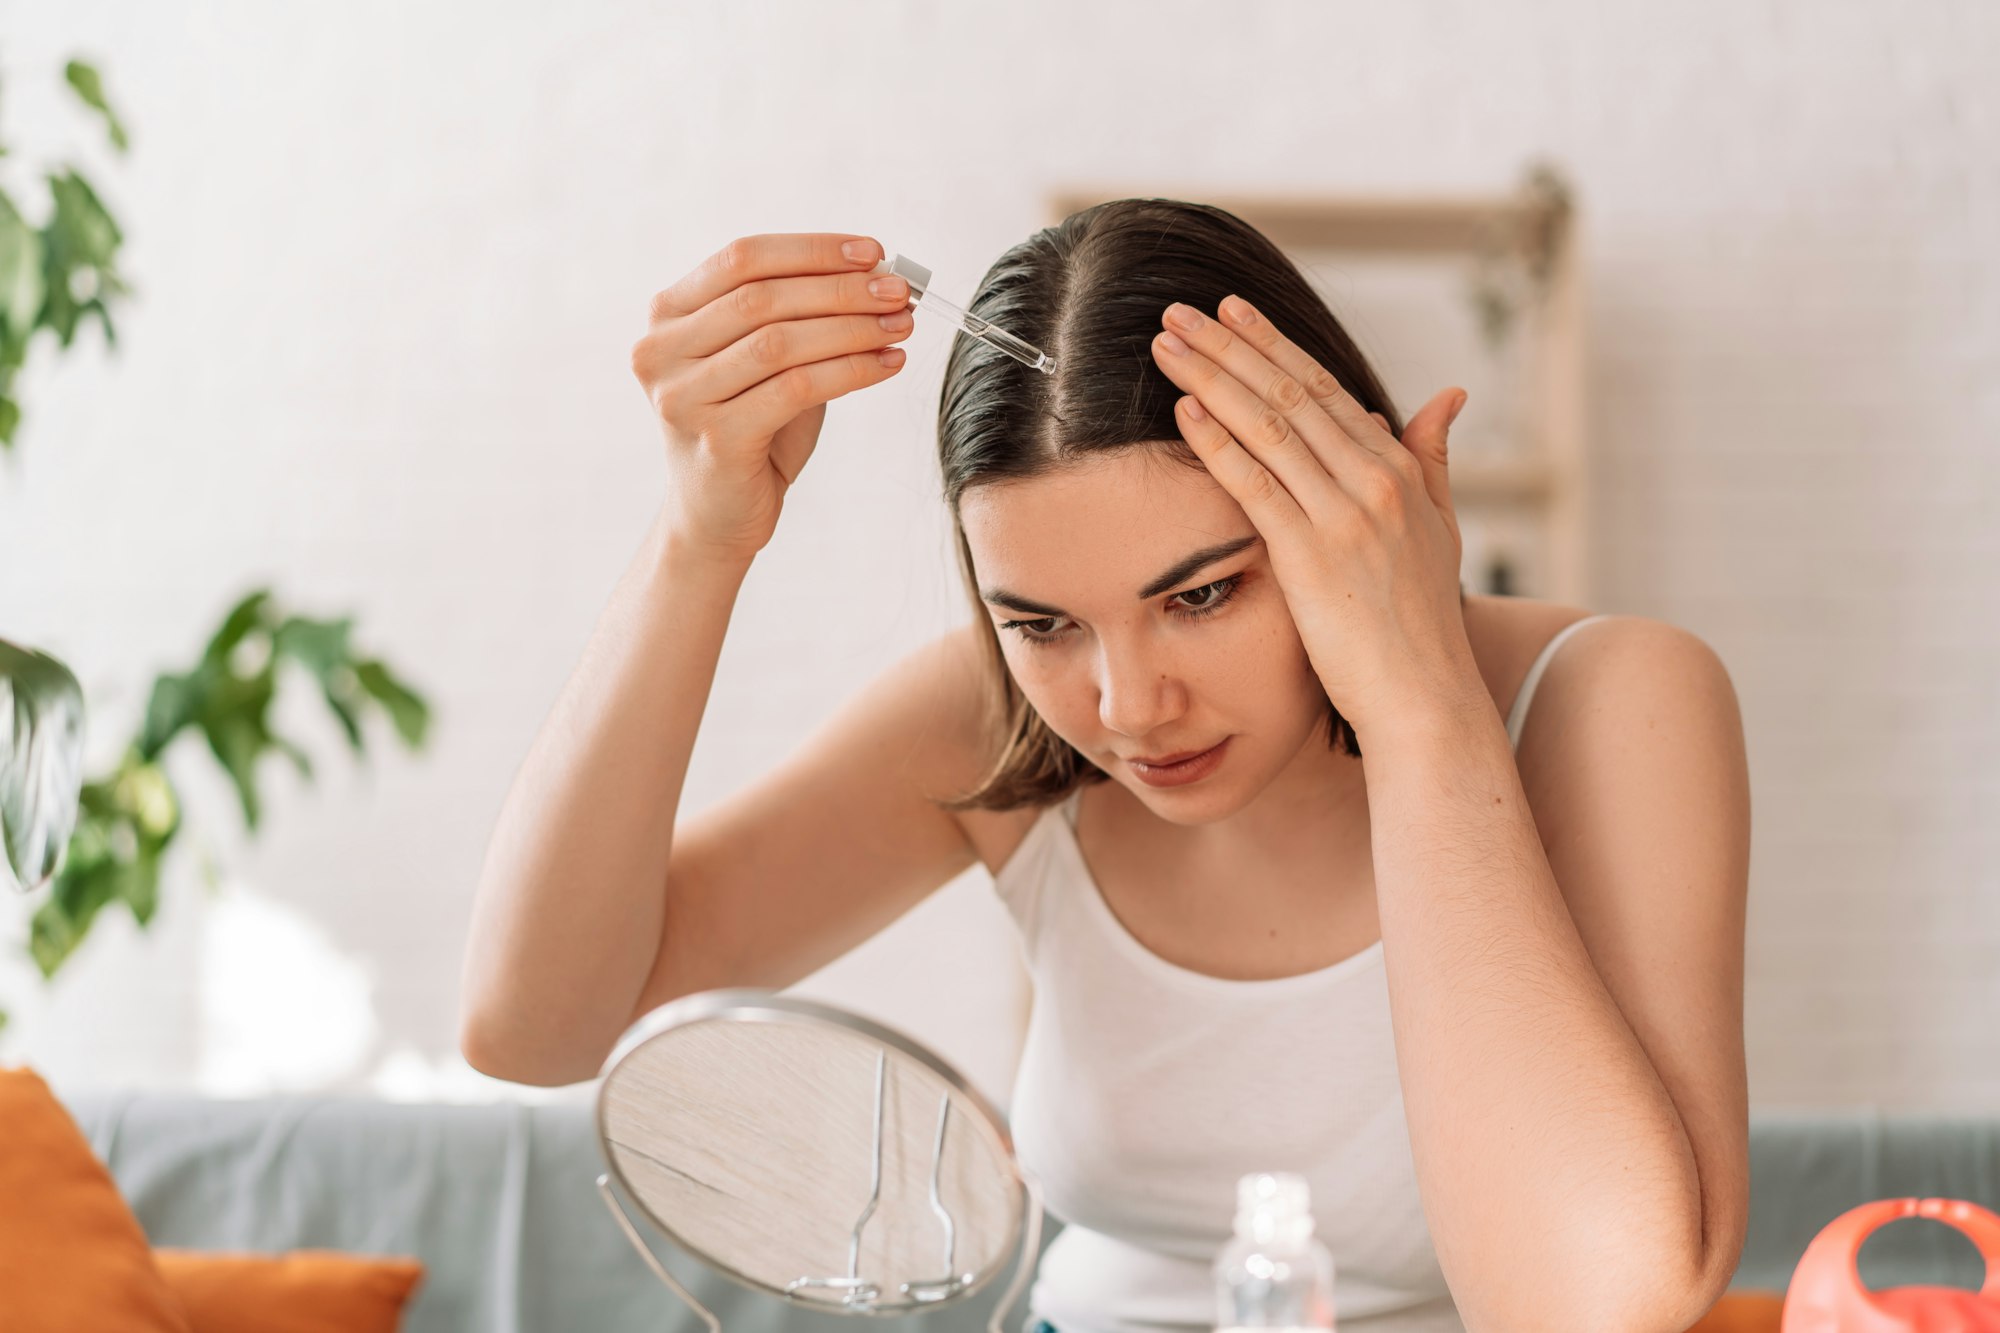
1146, 1089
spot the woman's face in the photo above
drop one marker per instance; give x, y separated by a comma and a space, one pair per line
1125, 650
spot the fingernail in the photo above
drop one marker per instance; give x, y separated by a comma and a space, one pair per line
859, 252
1456, 410
1172, 342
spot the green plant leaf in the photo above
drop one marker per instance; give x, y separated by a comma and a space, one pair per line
409, 712
350, 722
176, 702
144, 795
95, 306
91, 225
81, 238
90, 87
10, 417
318, 645
234, 722
245, 616
53, 937
321, 647
124, 825
90, 878
141, 886
21, 278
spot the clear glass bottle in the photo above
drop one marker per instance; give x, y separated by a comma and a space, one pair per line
1274, 1274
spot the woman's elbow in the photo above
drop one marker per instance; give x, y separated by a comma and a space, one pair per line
1667, 1297
497, 1054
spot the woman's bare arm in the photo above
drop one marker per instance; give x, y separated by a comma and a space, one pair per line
566, 920
738, 361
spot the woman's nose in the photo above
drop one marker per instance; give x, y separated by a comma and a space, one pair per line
1137, 695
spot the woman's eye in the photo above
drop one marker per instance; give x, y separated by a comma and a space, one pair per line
1034, 631
1212, 598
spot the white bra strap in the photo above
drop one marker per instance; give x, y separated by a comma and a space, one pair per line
1518, 714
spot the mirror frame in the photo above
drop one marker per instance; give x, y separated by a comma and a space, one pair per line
747, 1004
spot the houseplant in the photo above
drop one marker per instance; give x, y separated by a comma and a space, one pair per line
100, 842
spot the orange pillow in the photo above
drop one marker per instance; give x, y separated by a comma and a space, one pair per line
72, 1256
305, 1291
1743, 1312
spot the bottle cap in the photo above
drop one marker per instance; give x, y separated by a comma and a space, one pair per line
910, 271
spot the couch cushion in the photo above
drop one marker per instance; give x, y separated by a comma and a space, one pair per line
72, 1255
303, 1291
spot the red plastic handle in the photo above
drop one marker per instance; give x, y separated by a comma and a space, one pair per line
1826, 1295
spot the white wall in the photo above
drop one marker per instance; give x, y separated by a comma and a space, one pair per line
390, 263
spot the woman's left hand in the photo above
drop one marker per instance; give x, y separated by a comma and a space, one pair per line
1358, 524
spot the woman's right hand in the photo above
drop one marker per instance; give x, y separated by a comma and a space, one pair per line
739, 362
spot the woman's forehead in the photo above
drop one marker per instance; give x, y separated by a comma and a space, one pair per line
1117, 519
1125, 488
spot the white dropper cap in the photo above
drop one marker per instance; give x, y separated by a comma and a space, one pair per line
923, 298
1274, 1205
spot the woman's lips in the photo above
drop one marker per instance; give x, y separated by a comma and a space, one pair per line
1191, 769
1172, 758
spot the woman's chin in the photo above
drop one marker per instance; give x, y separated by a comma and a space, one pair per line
1191, 811
1196, 803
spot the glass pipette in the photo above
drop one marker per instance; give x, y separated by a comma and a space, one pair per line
919, 279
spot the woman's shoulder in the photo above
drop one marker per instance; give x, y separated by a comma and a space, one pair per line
1616, 652
1507, 634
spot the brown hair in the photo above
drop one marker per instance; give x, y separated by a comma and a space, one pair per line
1089, 291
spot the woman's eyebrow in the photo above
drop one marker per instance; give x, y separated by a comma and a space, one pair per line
1182, 570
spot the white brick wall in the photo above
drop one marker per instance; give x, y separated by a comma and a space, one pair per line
389, 267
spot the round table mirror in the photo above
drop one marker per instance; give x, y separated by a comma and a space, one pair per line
812, 1154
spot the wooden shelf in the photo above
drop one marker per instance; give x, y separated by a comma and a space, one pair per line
1501, 480
1439, 225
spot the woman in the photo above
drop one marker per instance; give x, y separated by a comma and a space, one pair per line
1487, 1000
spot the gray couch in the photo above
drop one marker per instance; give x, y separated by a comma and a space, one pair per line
500, 1202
